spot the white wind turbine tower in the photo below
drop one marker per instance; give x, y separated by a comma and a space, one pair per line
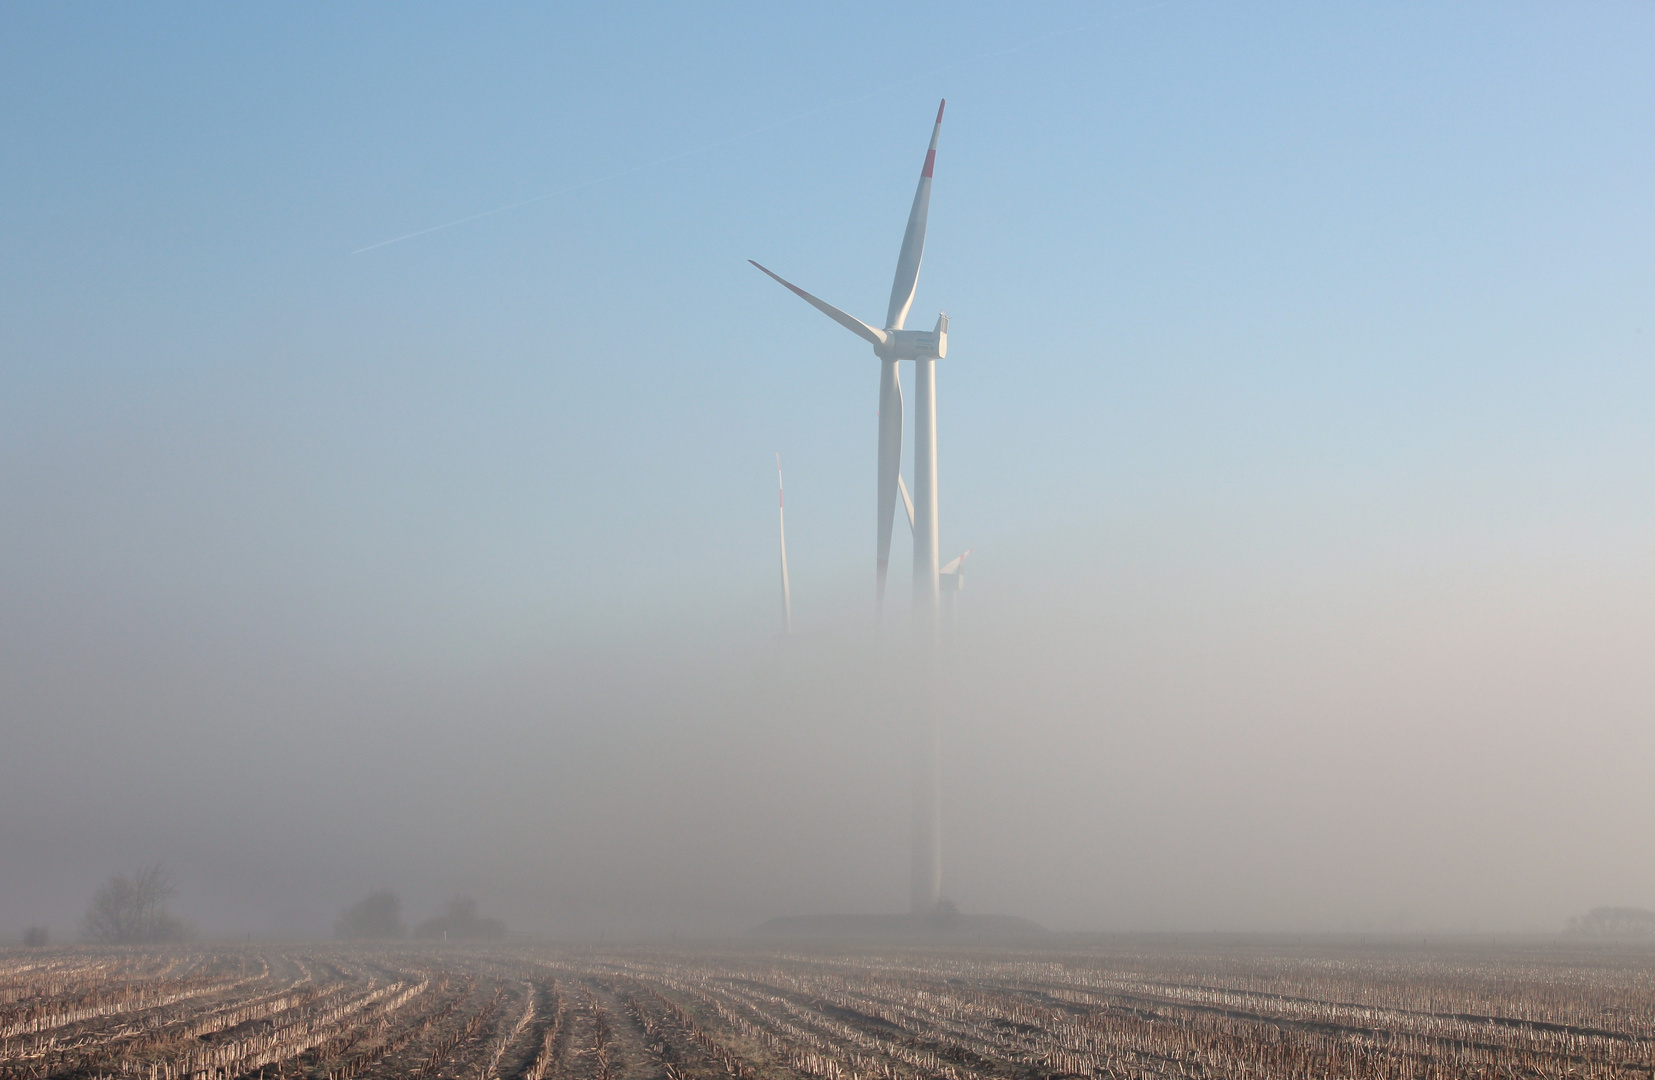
781, 528
892, 344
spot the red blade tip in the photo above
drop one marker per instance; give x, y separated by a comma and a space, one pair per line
940, 108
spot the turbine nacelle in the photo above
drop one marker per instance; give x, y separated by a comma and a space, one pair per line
915, 344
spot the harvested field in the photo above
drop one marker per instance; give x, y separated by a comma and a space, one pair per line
1121, 1009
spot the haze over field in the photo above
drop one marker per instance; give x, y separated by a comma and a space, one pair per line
1297, 409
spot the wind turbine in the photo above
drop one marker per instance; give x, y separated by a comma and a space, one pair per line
781, 527
950, 581
892, 344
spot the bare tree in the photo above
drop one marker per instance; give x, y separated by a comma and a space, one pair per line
36, 937
133, 910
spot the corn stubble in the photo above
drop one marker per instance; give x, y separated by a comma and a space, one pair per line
1162, 1009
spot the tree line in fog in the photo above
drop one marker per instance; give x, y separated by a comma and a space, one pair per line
132, 910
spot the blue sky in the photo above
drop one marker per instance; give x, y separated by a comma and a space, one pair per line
1191, 253
1316, 298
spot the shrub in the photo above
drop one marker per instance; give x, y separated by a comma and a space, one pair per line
1614, 922
378, 915
459, 922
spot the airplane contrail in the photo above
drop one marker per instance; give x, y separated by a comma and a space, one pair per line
658, 162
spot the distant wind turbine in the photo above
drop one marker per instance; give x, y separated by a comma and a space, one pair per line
781, 527
952, 577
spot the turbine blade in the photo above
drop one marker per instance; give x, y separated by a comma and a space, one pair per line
890, 465
906, 501
781, 528
849, 322
913, 241
954, 566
